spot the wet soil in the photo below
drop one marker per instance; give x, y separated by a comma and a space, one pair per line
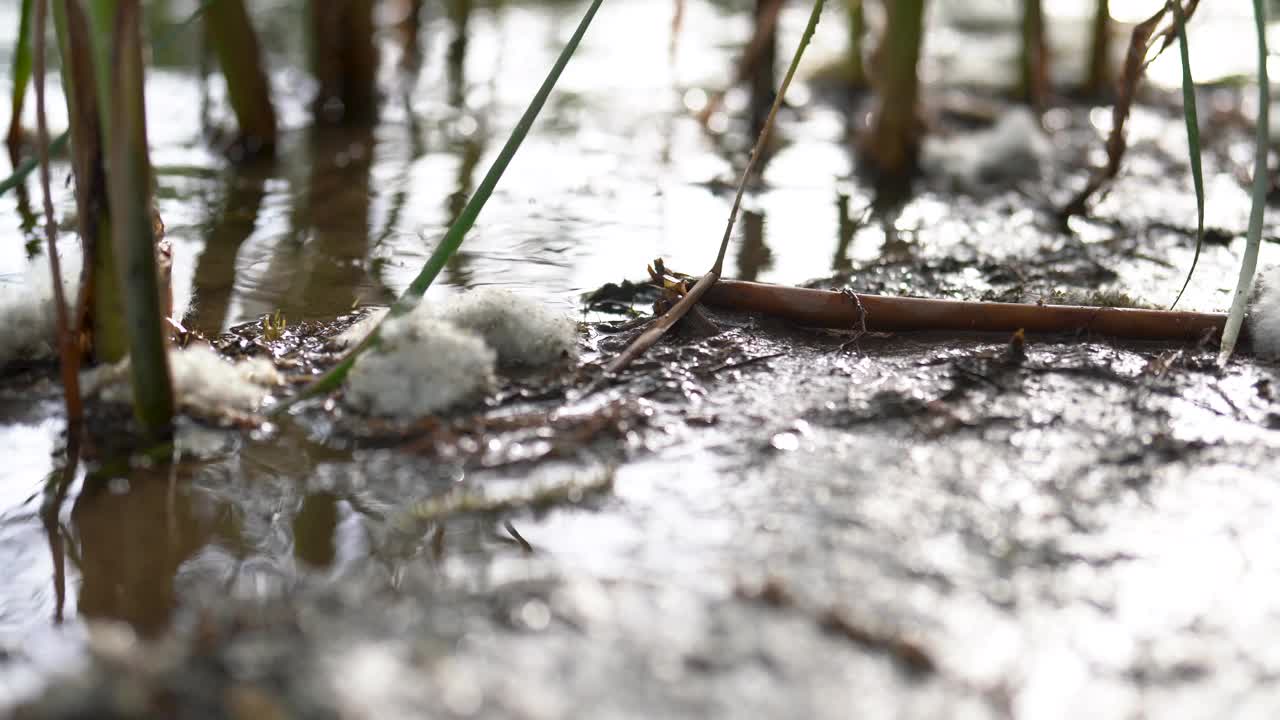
755, 518
755, 515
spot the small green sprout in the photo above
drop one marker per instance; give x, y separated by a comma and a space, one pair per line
273, 326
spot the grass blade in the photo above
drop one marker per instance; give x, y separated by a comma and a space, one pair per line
1235, 319
26, 167
129, 194
1193, 137
466, 219
21, 77
453, 238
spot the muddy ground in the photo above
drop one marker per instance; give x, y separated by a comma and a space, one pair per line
755, 520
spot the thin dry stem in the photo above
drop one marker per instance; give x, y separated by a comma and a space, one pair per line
762, 140
1138, 57
681, 308
67, 345
663, 323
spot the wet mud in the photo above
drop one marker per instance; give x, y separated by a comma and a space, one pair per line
753, 515
753, 518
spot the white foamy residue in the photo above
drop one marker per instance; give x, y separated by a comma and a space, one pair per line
522, 331
27, 310
1011, 149
438, 357
421, 365
1264, 318
203, 381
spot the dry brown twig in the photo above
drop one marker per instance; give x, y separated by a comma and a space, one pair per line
878, 313
874, 313
1136, 61
677, 25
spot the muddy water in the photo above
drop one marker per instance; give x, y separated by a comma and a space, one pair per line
754, 517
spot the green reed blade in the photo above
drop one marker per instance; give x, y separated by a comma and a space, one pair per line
1193, 137
21, 70
1235, 319
122, 100
453, 238
26, 167
457, 231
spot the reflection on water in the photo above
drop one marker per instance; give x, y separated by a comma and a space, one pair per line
754, 257
314, 529
333, 274
616, 173
231, 223
130, 539
346, 217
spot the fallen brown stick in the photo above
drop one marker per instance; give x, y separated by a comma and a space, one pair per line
879, 313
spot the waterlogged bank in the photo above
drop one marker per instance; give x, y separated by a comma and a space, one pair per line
760, 517
754, 516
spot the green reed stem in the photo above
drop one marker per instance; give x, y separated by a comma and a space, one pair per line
1193, 137
1098, 76
122, 103
100, 305
466, 219
892, 145
26, 167
857, 37
1262, 142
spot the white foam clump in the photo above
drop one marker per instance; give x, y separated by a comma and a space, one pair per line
28, 319
521, 330
420, 366
1011, 149
1264, 318
203, 381
436, 357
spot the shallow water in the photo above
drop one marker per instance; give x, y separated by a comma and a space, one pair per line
1088, 534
